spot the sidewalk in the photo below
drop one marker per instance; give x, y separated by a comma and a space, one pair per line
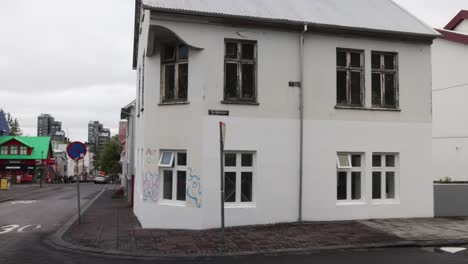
110, 227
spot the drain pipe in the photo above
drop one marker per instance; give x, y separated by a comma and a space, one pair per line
301, 117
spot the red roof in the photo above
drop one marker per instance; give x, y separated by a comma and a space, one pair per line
454, 36
462, 15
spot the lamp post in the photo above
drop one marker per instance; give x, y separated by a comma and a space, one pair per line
42, 171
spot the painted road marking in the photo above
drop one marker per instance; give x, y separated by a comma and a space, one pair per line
24, 202
452, 250
9, 228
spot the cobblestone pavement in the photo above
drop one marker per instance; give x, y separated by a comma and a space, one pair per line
110, 224
423, 228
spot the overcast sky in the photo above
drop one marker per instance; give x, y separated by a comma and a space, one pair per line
72, 59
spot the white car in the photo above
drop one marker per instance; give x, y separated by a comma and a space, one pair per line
100, 179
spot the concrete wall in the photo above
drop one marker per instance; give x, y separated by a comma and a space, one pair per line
450, 112
271, 130
450, 199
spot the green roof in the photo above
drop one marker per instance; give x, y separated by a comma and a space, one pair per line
39, 145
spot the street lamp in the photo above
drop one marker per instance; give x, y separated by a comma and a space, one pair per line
42, 171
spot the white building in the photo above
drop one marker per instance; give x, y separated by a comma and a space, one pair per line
128, 150
450, 90
359, 149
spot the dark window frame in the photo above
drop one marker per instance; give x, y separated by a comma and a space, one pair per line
382, 72
175, 61
239, 61
348, 69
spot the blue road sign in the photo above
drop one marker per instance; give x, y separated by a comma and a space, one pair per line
76, 150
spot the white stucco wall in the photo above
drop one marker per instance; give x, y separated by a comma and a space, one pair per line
462, 27
271, 129
450, 124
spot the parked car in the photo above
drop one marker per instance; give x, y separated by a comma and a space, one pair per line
90, 178
100, 179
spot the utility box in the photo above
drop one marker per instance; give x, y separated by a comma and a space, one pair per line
4, 185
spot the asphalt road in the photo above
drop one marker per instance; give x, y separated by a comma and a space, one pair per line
26, 223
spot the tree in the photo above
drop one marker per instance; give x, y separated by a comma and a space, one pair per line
108, 159
15, 129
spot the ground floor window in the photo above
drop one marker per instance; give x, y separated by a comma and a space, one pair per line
239, 174
384, 176
173, 166
349, 176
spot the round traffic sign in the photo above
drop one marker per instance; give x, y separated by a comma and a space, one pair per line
76, 150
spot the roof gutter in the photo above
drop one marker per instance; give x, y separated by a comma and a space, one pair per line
301, 116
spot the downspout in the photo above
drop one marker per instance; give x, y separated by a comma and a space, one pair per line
301, 117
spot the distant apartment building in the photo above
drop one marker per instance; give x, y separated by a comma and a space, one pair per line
97, 135
47, 126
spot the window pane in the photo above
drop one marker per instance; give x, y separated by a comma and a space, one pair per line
231, 50
248, 81
389, 62
355, 185
248, 51
167, 188
356, 160
181, 182
390, 185
376, 161
182, 158
183, 52
183, 81
341, 58
231, 80
356, 60
169, 53
341, 186
230, 187
343, 161
341, 87
376, 90
246, 160
230, 159
375, 61
390, 160
376, 185
356, 88
169, 82
390, 89
166, 158
246, 187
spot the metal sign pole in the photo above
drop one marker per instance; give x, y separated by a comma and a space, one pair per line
78, 193
221, 158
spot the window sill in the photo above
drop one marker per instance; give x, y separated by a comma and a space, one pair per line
174, 103
240, 102
347, 203
367, 108
173, 203
383, 202
239, 205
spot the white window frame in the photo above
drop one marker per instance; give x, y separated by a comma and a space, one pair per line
349, 170
23, 150
3, 150
171, 163
383, 170
341, 166
238, 169
174, 168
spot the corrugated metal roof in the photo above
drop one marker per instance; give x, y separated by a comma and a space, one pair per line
40, 147
382, 15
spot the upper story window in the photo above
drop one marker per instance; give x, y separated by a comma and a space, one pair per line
4, 150
14, 150
174, 76
23, 150
240, 71
349, 77
384, 80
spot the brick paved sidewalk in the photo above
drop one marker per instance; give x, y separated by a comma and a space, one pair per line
109, 224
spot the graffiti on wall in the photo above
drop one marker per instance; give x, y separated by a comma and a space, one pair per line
151, 156
151, 187
194, 193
